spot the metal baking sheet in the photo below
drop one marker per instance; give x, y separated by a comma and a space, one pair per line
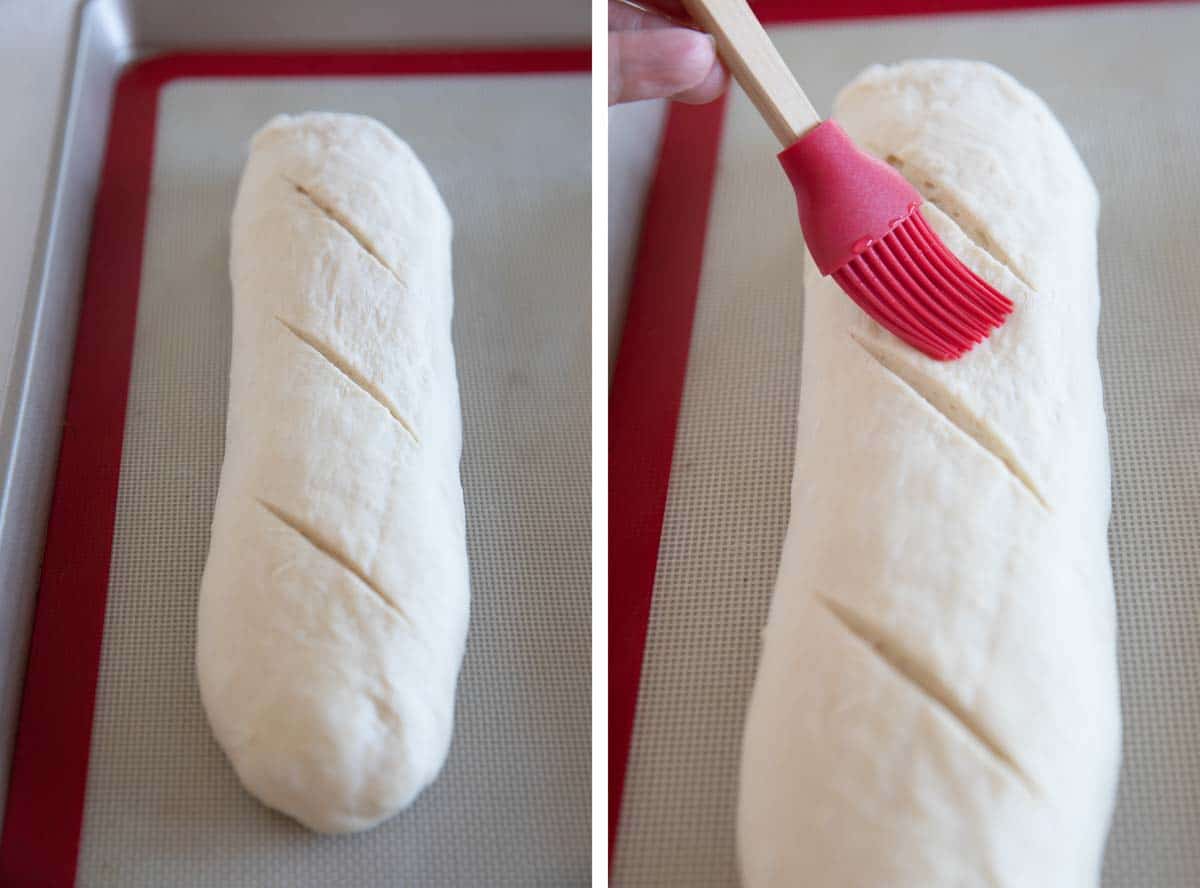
1122, 79
511, 156
108, 35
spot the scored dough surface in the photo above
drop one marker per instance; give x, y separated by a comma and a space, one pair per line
334, 603
936, 701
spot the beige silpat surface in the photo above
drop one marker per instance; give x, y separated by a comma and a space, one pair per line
511, 804
942, 626
728, 502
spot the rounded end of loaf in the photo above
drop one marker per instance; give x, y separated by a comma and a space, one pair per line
314, 774
331, 705
326, 743
359, 170
337, 771
988, 152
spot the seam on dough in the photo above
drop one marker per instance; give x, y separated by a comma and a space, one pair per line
975, 234
350, 228
327, 548
386, 714
343, 366
924, 683
954, 411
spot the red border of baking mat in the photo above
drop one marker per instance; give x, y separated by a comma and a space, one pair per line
44, 816
644, 399
648, 379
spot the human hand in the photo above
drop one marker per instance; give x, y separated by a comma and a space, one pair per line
653, 54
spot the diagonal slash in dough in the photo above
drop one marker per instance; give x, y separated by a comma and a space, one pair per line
955, 412
330, 551
857, 626
350, 228
342, 366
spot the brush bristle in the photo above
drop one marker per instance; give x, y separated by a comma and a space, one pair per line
911, 284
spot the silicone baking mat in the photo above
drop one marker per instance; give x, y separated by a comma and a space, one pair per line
510, 154
1122, 79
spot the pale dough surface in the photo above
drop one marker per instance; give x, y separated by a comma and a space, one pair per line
334, 604
936, 702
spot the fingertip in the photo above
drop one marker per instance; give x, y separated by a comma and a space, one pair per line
696, 54
658, 63
714, 83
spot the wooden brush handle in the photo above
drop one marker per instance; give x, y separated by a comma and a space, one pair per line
753, 59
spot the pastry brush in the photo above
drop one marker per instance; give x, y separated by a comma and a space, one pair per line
859, 216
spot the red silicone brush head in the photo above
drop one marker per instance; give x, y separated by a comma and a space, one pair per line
861, 224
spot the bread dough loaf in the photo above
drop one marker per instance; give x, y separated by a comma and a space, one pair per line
936, 702
333, 608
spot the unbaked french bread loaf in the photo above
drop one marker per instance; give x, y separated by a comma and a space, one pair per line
936, 702
333, 608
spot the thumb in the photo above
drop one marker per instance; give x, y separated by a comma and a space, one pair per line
662, 63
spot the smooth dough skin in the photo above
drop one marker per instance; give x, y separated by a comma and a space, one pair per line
333, 608
936, 701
